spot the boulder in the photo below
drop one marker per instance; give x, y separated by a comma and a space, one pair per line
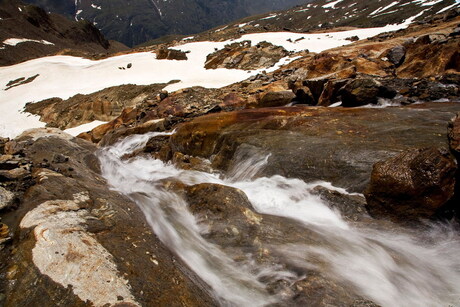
171, 54
396, 55
276, 99
331, 92
364, 91
415, 184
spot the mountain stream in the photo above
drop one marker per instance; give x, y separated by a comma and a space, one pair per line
391, 266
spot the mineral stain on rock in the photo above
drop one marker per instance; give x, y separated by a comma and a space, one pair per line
71, 256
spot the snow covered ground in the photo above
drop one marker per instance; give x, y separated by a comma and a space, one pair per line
65, 76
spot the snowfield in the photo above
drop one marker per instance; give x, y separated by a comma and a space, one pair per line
65, 76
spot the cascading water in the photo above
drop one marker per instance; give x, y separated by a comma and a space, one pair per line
392, 267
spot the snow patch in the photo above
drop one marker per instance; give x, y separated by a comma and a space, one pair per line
84, 128
15, 41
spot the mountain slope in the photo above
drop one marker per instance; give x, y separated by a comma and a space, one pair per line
326, 14
136, 21
28, 32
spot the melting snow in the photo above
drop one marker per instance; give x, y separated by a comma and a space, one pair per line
84, 128
65, 76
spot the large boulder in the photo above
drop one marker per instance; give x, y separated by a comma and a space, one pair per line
415, 184
364, 91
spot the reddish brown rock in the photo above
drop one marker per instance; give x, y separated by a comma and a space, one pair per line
414, 184
171, 54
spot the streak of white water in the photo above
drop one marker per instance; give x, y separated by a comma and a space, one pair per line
389, 265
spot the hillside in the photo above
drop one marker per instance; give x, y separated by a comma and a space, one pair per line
137, 21
28, 32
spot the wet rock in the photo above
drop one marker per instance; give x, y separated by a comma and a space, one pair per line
71, 219
6, 198
171, 54
396, 55
338, 145
350, 206
412, 185
360, 92
225, 211
303, 94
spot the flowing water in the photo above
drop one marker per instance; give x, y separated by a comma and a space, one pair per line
391, 266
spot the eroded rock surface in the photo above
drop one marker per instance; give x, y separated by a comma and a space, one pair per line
331, 144
76, 242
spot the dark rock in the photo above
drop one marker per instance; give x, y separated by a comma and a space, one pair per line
227, 212
396, 55
331, 92
360, 92
316, 87
351, 207
129, 65
276, 99
353, 38
412, 185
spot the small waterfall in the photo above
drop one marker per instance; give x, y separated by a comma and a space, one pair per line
392, 266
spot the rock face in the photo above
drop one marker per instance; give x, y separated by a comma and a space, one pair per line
414, 184
335, 145
244, 56
77, 242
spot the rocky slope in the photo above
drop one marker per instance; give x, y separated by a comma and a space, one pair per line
28, 32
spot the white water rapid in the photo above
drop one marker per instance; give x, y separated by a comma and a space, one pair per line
391, 266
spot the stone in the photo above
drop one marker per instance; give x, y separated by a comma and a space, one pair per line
364, 91
171, 54
6, 198
275, 99
331, 92
412, 185
396, 55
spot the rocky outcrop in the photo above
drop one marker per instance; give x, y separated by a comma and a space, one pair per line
414, 184
68, 219
104, 105
243, 55
170, 54
331, 144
